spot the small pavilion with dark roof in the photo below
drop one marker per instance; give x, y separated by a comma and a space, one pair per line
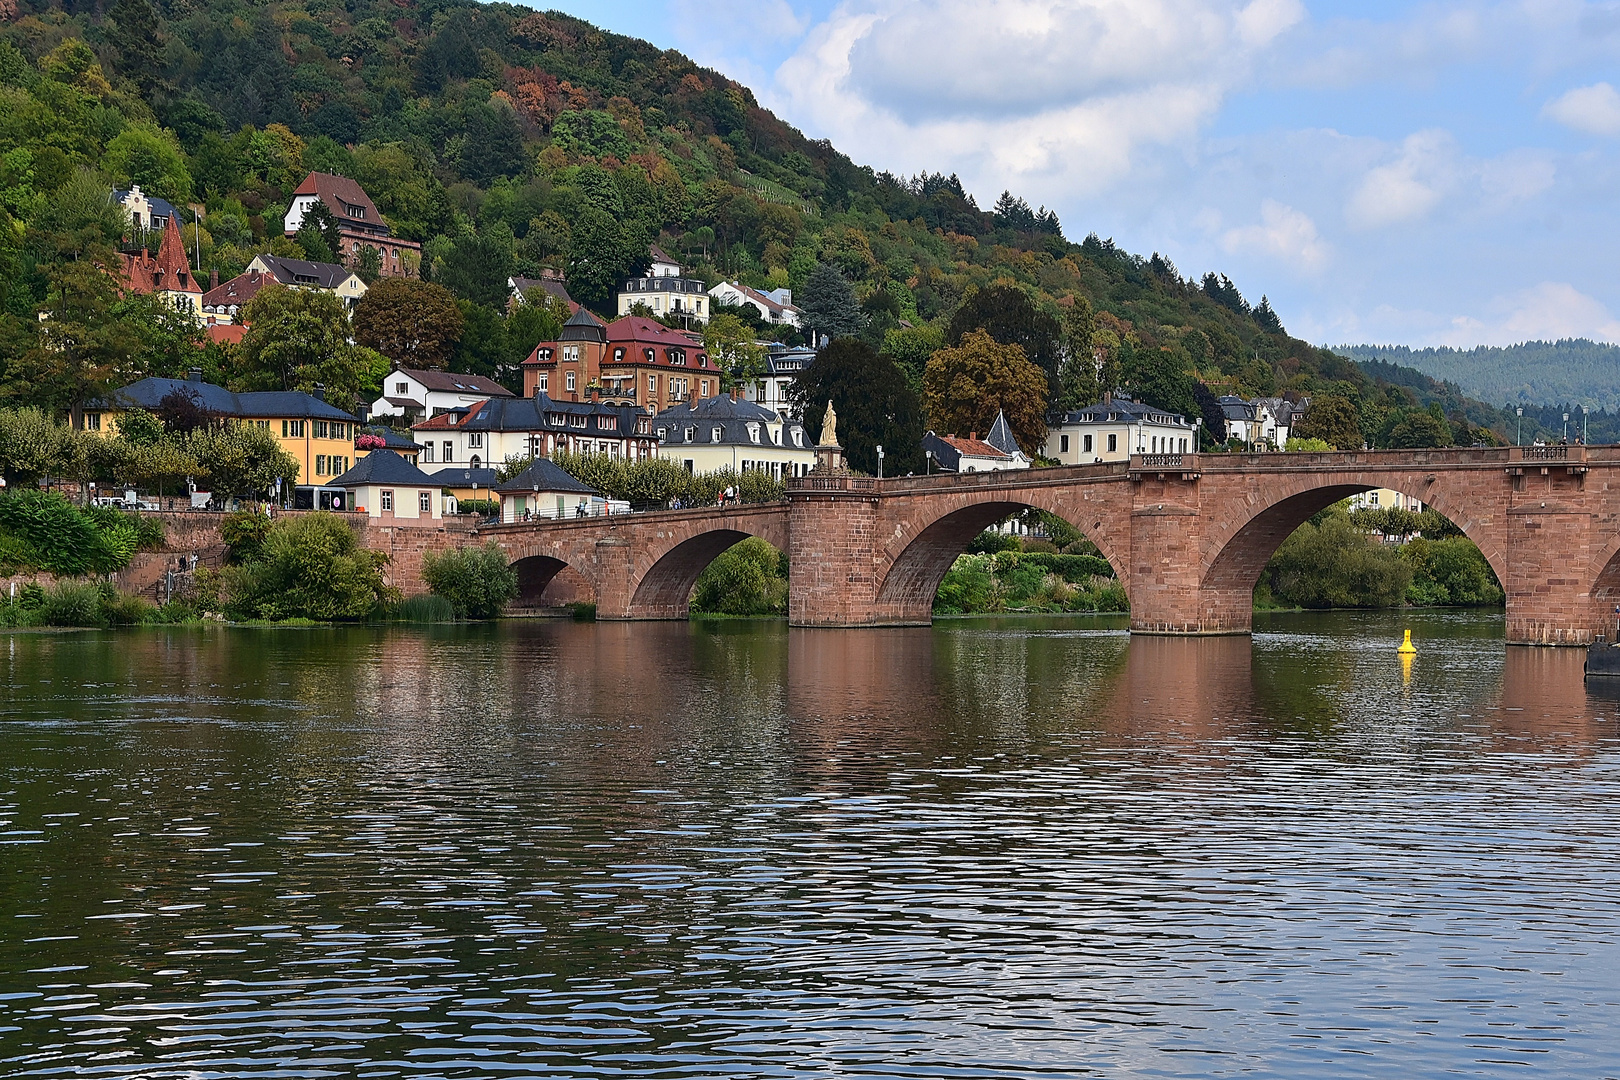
385, 485
544, 490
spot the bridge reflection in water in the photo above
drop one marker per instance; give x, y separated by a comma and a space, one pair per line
1187, 535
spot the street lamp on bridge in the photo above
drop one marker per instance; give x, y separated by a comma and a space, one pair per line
880, 462
1519, 436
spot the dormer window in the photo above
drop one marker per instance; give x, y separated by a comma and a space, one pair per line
651, 355
690, 432
716, 433
798, 437
618, 355
753, 433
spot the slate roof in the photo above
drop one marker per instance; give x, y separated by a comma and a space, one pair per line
583, 326
771, 304
1001, 436
539, 413
451, 383
459, 476
552, 285
303, 272
548, 476
160, 207
785, 360
732, 417
1122, 409
383, 467
259, 404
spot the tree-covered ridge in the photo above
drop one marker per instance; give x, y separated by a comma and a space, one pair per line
507, 141
1530, 373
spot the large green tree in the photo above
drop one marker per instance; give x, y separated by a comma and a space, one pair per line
875, 403
827, 307
1008, 315
298, 339
1334, 419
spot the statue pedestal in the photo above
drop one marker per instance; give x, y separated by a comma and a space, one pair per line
829, 459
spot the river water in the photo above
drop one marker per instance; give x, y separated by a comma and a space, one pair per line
996, 848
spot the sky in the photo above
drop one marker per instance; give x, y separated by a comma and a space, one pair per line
1443, 173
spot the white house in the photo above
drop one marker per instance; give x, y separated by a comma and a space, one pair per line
386, 486
1115, 428
1263, 420
421, 395
996, 452
340, 281
716, 433
665, 292
783, 363
487, 433
775, 307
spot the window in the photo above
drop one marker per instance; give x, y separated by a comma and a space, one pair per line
427, 452
570, 354
798, 436
449, 451
92, 421
1183, 446
340, 431
677, 357
570, 380
689, 433
542, 384
475, 463
652, 387
341, 467
320, 429
1113, 444
652, 357
402, 388
1063, 444
618, 355
703, 388
716, 433
1372, 499
475, 440
576, 421
677, 388
424, 502
1088, 444
753, 433
320, 464
388, 502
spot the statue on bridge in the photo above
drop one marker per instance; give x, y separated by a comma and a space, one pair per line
829, 455
829, 426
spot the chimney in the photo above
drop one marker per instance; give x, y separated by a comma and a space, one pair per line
973, 436
213, 279
320, 392
194, 375
1108, 397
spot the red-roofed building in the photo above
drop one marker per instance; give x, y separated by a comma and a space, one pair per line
168, 274
632, 361
360, 223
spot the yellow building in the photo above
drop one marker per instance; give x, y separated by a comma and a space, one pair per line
1383, 499
319, 436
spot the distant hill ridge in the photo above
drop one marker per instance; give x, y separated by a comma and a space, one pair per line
1571, 370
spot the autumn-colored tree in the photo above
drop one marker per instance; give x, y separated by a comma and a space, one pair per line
414, 323
965, 386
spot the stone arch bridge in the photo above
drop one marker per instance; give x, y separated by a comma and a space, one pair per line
1187, 534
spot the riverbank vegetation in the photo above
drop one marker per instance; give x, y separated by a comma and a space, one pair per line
44, 532
749, 578
477, 582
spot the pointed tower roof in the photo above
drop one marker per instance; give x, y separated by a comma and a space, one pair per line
583, 326
1001, 436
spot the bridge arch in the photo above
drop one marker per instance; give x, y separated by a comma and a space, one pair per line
664, 574
926, 545
1242, 536
536, 573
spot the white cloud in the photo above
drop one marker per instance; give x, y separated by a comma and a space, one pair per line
1053, 97
1284, 234
1408, 187
1545, 312
1592, 109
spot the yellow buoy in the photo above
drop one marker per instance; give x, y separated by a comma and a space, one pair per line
1407, 648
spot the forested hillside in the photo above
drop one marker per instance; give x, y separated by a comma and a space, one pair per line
1532, 373
507, 140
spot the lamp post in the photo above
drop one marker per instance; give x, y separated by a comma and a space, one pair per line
475, 491
1198, 436
1519, 436
880, 462
928, 465
1566, 429
537, 499
1585, 429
